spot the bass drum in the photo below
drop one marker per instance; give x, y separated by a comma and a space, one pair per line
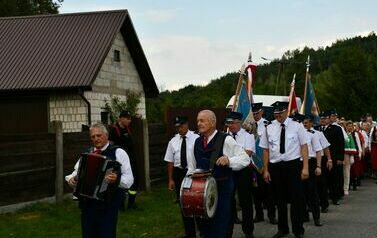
198, 196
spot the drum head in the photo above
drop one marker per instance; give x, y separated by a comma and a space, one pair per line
210, 197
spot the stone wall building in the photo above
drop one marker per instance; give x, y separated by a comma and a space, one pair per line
70, 65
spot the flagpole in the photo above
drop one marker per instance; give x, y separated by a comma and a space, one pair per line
302, 111
238, 90
291, 94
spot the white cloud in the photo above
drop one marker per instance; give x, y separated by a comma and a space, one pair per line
177, 61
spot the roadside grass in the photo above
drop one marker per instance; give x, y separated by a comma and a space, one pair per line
157, 216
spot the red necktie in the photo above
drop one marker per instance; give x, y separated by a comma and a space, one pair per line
97, 151
205, 142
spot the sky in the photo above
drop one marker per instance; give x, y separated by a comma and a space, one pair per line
192, 42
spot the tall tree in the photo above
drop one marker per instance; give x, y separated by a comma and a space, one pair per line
349, 84
28, 7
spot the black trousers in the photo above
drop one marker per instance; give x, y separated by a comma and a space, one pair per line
335, 182
99, 219
323, 192
262, 195
188, 222
218, 226
311, 192
287, 187
243, 187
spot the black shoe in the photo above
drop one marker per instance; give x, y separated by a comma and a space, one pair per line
273, 221
324, 210
237, 221
280, 234
318, 222
258, 219
299, 236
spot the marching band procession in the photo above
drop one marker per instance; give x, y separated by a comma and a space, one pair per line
298, 159
303, 160
187, 145
304, 165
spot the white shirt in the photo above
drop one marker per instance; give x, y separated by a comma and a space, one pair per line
173, 151
261, 126
245, 140
371, 137
366, 138
295, 136
322, 140
314, 146
126, 178
238, 159
358, 143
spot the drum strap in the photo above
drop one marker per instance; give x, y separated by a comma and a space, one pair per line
218, 147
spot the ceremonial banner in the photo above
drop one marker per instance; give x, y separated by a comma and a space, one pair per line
244, 102
292, 107
250, 71
310, 106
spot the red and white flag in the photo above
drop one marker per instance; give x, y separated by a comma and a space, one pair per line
292, 106
250, 70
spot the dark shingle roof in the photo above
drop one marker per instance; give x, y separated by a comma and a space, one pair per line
65, 51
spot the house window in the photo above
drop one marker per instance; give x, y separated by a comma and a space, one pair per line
116, 55
105, 117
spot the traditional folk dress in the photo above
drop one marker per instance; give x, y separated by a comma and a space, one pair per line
349, 152
357, 167
373, 148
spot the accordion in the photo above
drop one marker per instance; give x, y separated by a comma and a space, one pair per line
91, 182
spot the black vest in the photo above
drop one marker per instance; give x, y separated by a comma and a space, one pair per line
109, 152
202, 156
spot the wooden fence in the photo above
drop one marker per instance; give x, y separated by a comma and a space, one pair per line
27, 162
158, 141
28, 165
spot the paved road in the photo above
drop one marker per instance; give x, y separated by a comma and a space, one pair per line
355, 217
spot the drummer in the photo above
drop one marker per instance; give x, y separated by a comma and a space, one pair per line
99, 219
226, 155
179, 153
243, 179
